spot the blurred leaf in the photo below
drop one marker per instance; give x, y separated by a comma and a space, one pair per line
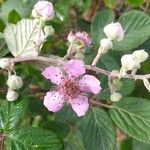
132, 115
126, 144
13, 17
101, 19
22, 8
2, 26
24, 38
135, 24
140, 145
3, 50
33, 139
74, 140
111, 3
98, 130
11, 113
66, 115
135, 3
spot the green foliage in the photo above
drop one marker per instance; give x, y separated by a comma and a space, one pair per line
132, 115
98, 130
13, 17
33, 139
135, 3
110, 3
12, 113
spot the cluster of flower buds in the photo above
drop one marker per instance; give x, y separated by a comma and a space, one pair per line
77, 43
113, 31
14, 82
43, 10
132, 62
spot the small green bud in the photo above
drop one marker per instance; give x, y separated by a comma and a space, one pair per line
14, 82
117, 83
79, 56
12, 95
115, 97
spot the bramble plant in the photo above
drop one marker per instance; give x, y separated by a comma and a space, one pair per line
84, 94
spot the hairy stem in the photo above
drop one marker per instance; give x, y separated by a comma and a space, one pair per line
60, 62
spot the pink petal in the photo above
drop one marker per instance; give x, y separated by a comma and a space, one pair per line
75, 68
90, 83
80, 105
53, 101
54, 74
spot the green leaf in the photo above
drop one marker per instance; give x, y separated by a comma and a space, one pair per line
135, 24
98, 130
13, 17
66, 115
132, 115
11, 113
101, 19
135, 3
111, 3
25, 38
33, 139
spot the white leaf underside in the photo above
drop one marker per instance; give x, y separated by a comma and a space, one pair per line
25, 38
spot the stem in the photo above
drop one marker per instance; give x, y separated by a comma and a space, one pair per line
100, 104
60, 62
2, 142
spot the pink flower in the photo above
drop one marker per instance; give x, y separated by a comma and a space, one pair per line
44, 10
72, 87
82, 36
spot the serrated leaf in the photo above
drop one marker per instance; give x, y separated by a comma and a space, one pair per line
135, 24
25, 38
101, 19
98, 130
33, 139
132, 115
66, 115
11, 113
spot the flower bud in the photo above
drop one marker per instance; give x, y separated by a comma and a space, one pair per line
117, 83
43, 10
5, 63
106, 44
79, 56
82, 38
129, 63
14, 82
49, 30
114, 31
12, 95
115, 97
140, 55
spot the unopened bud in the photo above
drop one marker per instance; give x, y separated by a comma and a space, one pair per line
140, 55
117, 83
43, 10
79, 56
114, 31
12, 95
106, 43
115, 97
49, 30
129, 63
14, 82
5, 63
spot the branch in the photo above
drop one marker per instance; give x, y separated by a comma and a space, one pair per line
58, 61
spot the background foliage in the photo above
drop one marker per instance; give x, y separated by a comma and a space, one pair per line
26, 124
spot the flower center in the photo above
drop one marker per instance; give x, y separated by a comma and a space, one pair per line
70, 88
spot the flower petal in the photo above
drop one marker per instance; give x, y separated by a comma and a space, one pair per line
75, 68
90, 83
80, 105
53, 101
54, 74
